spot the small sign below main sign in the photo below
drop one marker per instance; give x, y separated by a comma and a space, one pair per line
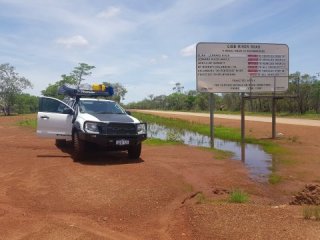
242, 67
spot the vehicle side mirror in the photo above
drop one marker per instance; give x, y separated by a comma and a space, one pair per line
128, 112
68, 111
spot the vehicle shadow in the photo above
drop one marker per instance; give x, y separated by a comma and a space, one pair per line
52, 156
97, 156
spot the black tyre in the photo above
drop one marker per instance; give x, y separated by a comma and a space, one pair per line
134, 151
79, 147
61, 143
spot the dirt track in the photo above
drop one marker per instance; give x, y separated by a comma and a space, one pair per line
44, 194
281, 120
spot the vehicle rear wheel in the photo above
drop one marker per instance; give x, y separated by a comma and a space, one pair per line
60, 143
78, 147
134, 151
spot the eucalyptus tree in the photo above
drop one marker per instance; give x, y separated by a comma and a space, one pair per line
11, 84
81, 71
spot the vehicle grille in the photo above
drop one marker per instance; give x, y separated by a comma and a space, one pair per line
119, 129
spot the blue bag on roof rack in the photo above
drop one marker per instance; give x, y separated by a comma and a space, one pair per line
95, 90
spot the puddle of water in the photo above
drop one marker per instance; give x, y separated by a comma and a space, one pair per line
255, 159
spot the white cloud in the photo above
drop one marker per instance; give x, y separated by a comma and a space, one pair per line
153, 61
109, 13
74, 41
164, 56
189, 50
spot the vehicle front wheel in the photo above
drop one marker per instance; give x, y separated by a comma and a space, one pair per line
134, 151
78, 147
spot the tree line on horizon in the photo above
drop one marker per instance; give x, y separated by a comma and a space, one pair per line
305, 88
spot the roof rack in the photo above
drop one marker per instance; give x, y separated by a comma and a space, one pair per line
95, 90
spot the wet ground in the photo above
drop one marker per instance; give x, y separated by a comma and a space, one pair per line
258, 162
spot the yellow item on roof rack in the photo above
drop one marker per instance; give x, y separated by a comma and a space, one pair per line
98, 87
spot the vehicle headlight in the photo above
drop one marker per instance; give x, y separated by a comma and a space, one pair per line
141, 128
91, 127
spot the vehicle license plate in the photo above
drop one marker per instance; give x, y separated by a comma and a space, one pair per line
122, 142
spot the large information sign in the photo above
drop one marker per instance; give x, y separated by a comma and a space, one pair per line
242, 67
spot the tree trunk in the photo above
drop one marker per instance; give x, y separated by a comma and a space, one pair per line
8, 112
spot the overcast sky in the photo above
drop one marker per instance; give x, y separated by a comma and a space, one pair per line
147, 45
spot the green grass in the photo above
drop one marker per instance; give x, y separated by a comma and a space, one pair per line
287, 162
238, 196
312, 116
269, 146
274, 178
308, 115
221, 132
307, 212
310, 212
201, 198
160, 142
204, 129
219, 154
317, 213
28, 123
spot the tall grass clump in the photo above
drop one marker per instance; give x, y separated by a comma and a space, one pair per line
307, 212
274, 178
310, 212
238, 196
317, 213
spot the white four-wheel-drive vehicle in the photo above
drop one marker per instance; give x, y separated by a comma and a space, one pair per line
86, 121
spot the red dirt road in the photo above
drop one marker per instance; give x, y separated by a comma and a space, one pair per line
44, 194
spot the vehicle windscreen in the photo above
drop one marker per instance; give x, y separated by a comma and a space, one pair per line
100, 107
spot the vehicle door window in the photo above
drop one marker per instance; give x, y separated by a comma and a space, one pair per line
52, 105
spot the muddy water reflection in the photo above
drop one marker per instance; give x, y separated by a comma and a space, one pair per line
255, 159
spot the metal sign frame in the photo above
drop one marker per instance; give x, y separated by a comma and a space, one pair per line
236, 66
